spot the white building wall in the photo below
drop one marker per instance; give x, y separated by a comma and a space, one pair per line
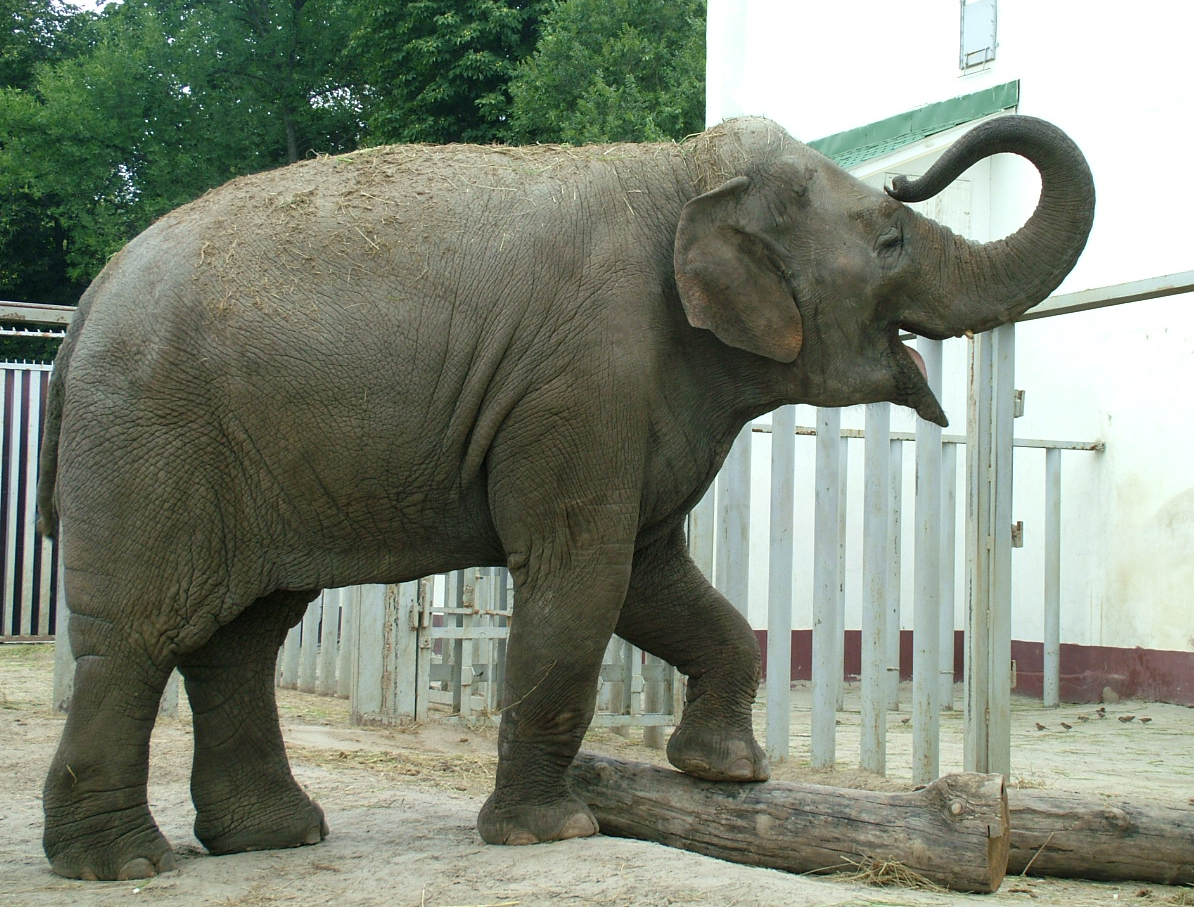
1116, 77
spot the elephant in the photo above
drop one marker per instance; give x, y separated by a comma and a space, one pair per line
405, 360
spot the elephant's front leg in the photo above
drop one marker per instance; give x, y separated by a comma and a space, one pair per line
569, 536
567, 605
673, 612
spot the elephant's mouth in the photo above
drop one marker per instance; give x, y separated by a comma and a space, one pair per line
912, 385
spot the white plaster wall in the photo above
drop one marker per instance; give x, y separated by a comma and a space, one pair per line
1117, 78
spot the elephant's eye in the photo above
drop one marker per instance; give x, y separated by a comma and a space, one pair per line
889, 243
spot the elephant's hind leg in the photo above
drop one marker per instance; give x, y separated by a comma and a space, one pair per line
97, 820
245, 796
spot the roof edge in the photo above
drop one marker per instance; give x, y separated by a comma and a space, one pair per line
854, 146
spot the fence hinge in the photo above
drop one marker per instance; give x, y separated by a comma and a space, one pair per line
1018, 534
1018, 404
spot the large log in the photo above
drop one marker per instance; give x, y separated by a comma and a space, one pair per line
1101, 838
954, 832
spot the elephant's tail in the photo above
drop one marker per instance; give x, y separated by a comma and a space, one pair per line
47, 467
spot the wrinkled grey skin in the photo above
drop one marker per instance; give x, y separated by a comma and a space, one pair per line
371, 368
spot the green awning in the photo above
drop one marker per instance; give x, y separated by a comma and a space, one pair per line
852, 147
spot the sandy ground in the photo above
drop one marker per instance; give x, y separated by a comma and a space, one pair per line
401, 804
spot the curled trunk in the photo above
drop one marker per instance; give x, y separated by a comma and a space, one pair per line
971, 286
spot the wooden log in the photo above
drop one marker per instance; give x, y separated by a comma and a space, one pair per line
954, 832
1101, 838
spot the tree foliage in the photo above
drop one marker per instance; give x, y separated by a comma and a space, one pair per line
153, 103
110, 119
613, 70
438, 69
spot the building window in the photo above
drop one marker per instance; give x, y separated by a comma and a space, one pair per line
978, 34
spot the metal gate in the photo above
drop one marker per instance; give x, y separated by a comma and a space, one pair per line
28, 569
437, 647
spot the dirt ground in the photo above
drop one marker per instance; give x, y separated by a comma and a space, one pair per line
401, 804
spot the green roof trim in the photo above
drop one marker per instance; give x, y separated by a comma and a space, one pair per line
854, 146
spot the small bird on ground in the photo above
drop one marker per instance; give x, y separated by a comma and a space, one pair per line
1126, 718
1066, 726
1101, 712
1145, 719
1041, 727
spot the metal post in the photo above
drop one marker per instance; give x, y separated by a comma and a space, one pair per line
779, 583
926, 620
350, 603
329, 641
895, 545
701, 534
875, 530
1052, 629
988, 542
309, 652
827, 665
839, 639
369, 659
733, 537
949, 553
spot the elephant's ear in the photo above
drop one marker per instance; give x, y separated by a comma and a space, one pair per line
730, 281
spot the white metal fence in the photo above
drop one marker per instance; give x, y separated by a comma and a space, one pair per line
28, 569
436, 648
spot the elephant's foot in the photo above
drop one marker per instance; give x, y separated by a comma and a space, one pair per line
139, 852
535, 824
715, 754
255, 819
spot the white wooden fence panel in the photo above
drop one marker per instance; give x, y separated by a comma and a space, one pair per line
926, 627
875, 575
779, 582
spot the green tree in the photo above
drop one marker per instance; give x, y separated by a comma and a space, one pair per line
153, 103
37, 32
613, 70
438, 69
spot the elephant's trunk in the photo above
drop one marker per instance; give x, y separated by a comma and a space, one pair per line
976, 286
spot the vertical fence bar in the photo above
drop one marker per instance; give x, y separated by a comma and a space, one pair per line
657, 700
329, 641
369, 663
827, 665
875, 531
926, 620
949, 553
733, 537
309, 651
977, 635
701, 532
1052, 625
288, 661
779, 582
895, 544
350, 603
13, 384
839, 639
425, 590
1004, 390
988, 542
49, 549
30, 543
